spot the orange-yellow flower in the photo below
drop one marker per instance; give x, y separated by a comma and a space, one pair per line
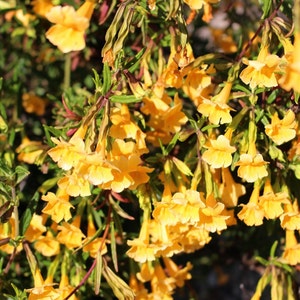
7, 231
224, 41
193, 238
67, 154
290, 219
211, 217
165, 119
47, 245
92, 243
262, 71
217, 109
35, 228
252, 214
58, 206
272, 203
22, 17
184, 208
140, 248
70, 234
291, 252
34, 104
75, 184
197, 85
291, 78
205, 4
251, 167
282, 131
179, 274
41, 7
229, 190
30, 151
70, 26
218, 153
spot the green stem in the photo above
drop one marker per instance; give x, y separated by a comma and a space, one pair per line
67, 71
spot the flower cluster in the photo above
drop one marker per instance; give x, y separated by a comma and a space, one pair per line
112, 177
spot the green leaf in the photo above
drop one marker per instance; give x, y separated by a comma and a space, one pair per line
296, 95
20, 294
182, 167
172, 143
266, 5
98, 273
106, 78
28, 213
276, 153
125, 99
133, 64
273, 249
48, 184
21, 173
296, 169
51, 130
113, 246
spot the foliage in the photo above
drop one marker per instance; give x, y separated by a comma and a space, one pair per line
143, 141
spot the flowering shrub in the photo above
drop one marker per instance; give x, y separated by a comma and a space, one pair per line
140, 140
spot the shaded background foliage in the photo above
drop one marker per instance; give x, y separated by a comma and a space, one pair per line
223, 269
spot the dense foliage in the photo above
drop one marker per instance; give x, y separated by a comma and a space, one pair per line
148, 146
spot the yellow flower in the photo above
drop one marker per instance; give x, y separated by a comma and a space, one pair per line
30, 151
252, 214
272, 203
291, 78
193, 238
140, 248
128, 172
94, 169
70, 26
217, 109
165, 119
199, 4
34, 104
290, 219
224, 41
24, 18
75, 184
41, 7
251, 167
67, 154
262, 71
138, 288
197, 85
8, 231
161, 284
163, 239
183, 208
58, 206
219, 152
47, 245
70, 234
282, 131
92, 244
291, 252
179, 274
35, 228
211, 217
229, 190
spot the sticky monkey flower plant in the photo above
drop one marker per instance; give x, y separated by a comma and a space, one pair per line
139, 157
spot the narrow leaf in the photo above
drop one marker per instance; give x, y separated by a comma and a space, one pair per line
113, 246
98, 273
